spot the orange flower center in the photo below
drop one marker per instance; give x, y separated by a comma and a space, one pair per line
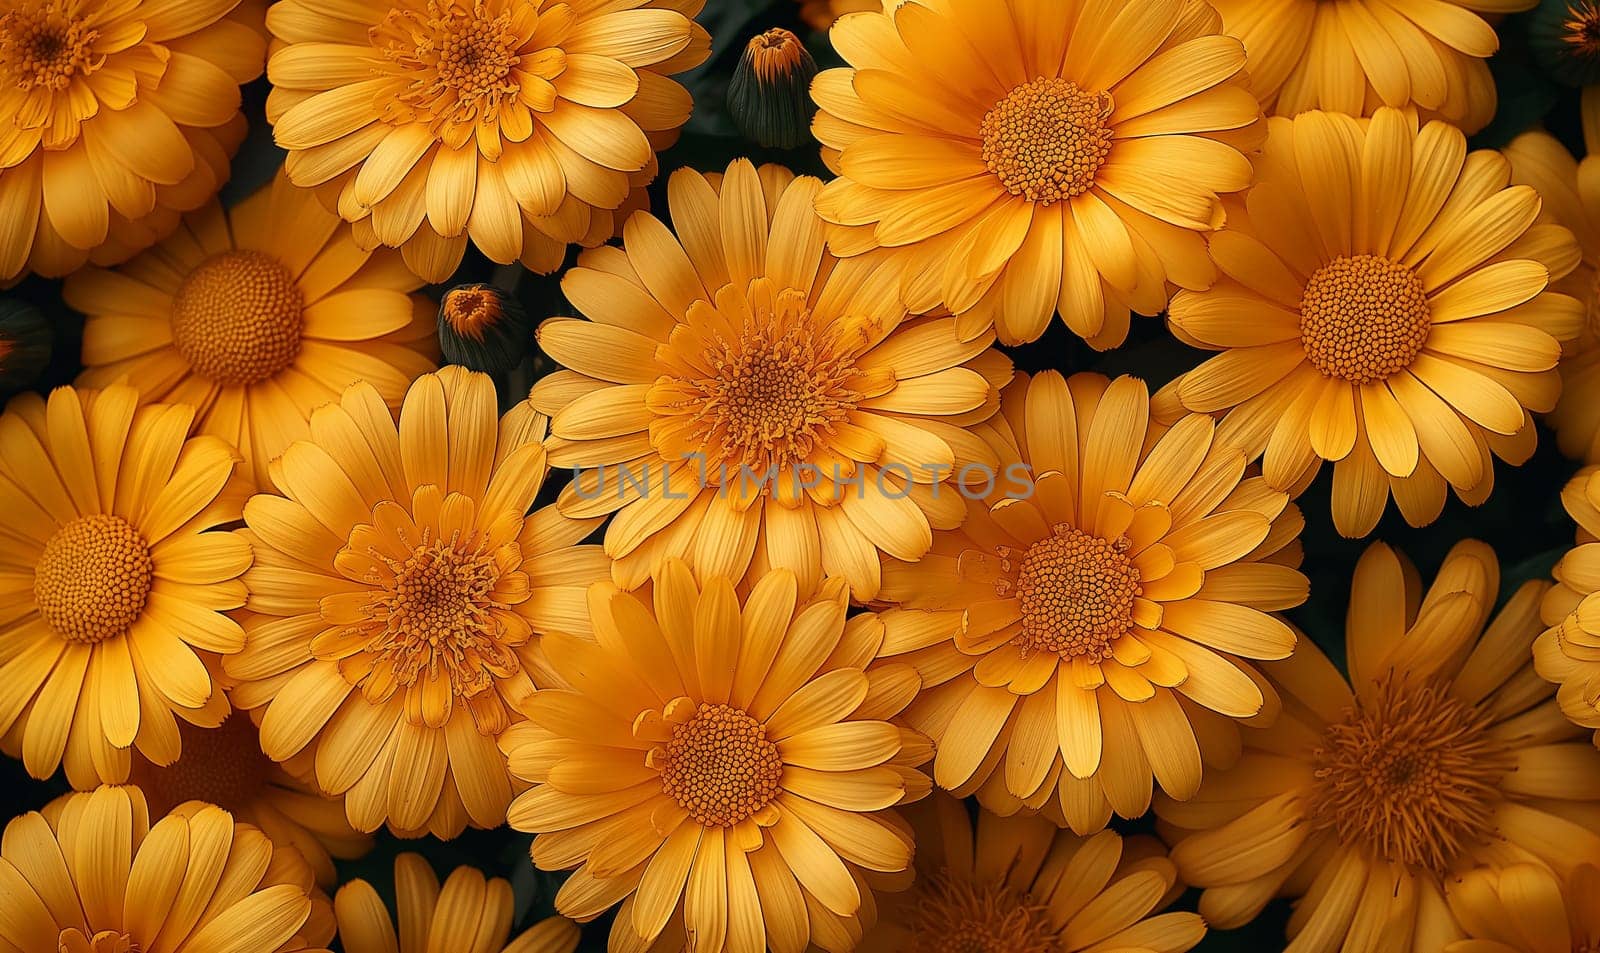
458, 57
237, 318
1362, 318
957, 916
1047, 139
1413, 779
471, 310
436, 619
43, 44
72, 940
93, 578
774, 394
222, 766
720, 767
1076, 592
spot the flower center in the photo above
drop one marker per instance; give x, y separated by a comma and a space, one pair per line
237, 318
458, 57
720, 767
1581, 28
72, 940
1414, 778
1076, 593
471, 310
222, 766
436, 619
955, 916
93, 578
44, 45
1363, 318
1046, 139
773, 396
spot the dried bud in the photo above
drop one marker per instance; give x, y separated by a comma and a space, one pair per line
1564, 36
25, 345
770, 96
483, 328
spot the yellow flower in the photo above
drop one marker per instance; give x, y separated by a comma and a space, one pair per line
470, 913
524, 125
1571, 199
255, 317
224, 766
119, 115
821, 13
1385, 307
1024, 158
1356, 55
1089, 630
779, 404
722, 771
93, 874
1020, 885
1524, 909
399, 586
1568, 653
1368, 796
112, 593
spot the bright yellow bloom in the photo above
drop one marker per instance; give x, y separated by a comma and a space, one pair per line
722, 771
469, 914
1568, 653
1385, 307
399, 586
96, 873
112, 593
821, 13
224, 766
1031, 157
782, 407
1524, 909
116, 116
1019, 885
1571, 194
256, 316
524, 125
1369, 796
1357, 55
1084, 634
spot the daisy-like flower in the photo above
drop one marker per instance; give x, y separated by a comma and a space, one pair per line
224, 766
1079, 638
96, 873
1571, 198
1367, 797
1564, 37
116, 116
1357, 55
724, 771
434, 919
1524, 908
524, 125
112, 594
1024, 158
1020, 885
1568, 653
743, 400
1385, 308
398, 587
255, 316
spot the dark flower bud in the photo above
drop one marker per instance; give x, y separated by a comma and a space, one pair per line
770, 96
1564, 36
483, 328
25, 345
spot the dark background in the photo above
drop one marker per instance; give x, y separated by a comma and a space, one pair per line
1523, 519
